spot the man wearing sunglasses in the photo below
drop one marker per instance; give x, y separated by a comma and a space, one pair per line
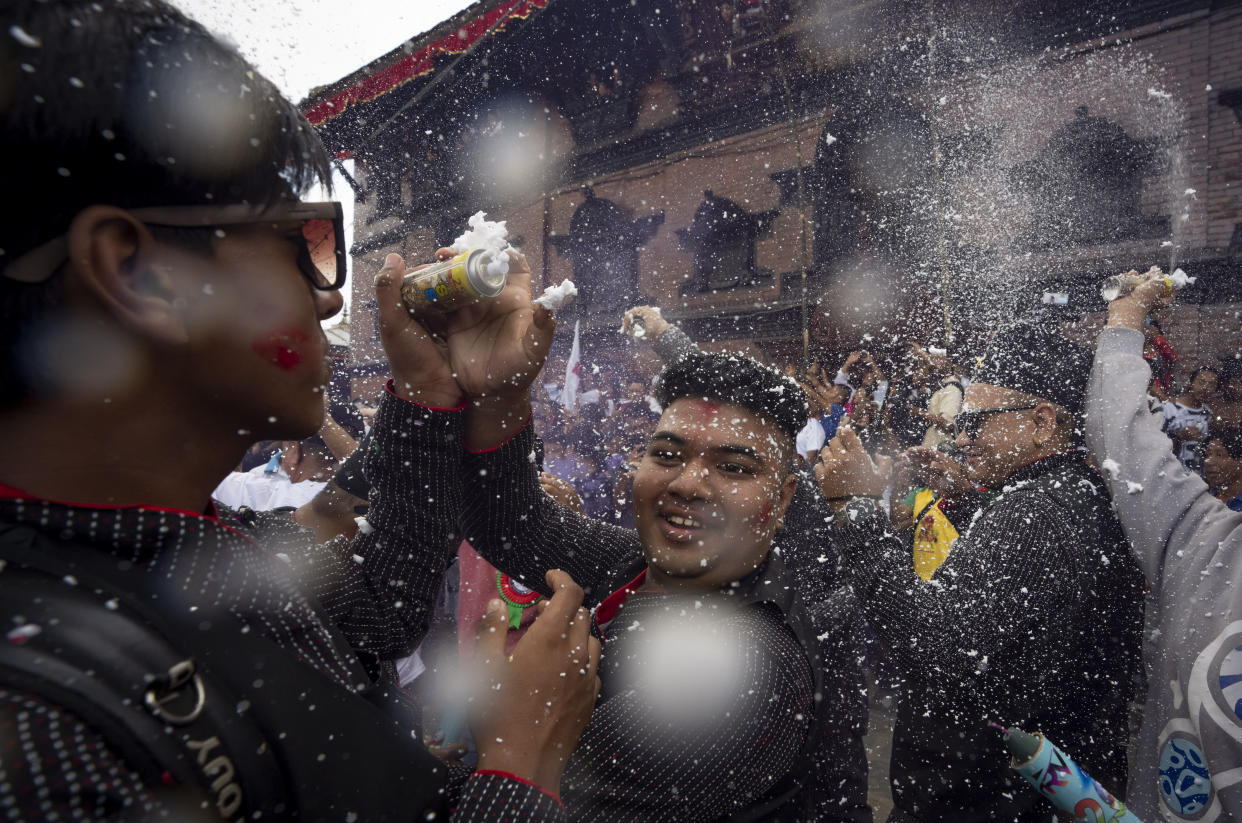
1032, 621
161, 294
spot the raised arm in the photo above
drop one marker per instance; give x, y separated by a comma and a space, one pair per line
1127, 441
510, 520
380, 586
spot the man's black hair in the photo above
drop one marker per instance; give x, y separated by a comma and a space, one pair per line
1207, 367
740, 380
1231, 439
128, 104
1036, 359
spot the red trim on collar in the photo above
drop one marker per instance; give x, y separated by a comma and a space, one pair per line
612, 604
509, 776
209, 513
389, 388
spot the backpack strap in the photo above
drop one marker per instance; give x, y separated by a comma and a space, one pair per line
223, 710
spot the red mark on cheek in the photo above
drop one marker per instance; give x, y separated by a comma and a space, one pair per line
765, 514
282, 349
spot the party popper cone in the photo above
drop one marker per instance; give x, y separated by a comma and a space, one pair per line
1062, 781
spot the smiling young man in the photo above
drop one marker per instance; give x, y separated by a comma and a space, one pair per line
161, 289
708, 685
1033, 619
808, 549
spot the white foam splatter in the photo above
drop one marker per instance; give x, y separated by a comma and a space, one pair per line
1111, 468
1133, 488
489, 235
1158, 94
364, 525
1180, 280
555, 297
498, 267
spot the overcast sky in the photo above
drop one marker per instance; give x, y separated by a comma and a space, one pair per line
300, 44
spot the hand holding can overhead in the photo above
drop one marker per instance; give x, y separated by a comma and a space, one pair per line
644, 322
448, 285
484, 349
1141, 293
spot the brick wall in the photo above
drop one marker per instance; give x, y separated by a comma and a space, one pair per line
1193, 58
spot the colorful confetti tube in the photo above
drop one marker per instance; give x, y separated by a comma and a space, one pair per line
1062, 781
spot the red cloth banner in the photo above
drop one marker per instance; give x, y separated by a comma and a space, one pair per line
421, 62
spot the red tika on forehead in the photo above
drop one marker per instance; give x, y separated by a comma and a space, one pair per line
704, 408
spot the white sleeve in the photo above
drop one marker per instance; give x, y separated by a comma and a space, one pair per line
231, 491
811, 439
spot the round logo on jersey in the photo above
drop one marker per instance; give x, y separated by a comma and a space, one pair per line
1228, 673
1185, 785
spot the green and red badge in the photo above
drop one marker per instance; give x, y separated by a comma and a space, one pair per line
517, 597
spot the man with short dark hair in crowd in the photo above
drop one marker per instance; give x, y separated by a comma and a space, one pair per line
161, 292
709, 682
1032, 621
808, 550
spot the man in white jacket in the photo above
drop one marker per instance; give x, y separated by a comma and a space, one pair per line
1189, 762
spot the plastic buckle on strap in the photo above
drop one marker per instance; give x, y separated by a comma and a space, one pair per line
173, 686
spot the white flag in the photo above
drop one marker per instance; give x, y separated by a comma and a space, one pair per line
573, 373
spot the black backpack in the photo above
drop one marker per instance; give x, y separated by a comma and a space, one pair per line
192, 700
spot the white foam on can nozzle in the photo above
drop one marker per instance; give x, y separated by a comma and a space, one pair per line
489, 235
496, 272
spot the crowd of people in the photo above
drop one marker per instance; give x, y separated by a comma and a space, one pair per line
663, 598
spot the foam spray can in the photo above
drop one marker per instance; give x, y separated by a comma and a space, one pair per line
448, 285
1062, 781
1119, 285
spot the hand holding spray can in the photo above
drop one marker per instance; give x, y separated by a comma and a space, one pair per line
1120, 285
447, 285
1062, 781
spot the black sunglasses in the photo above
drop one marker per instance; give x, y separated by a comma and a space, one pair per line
321, 256
969, 423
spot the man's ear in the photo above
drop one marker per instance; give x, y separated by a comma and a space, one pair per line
116, 258
1045, 423
788, 486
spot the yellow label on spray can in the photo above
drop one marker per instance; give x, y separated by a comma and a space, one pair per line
450, 284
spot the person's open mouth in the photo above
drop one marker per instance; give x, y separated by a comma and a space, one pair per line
678, 525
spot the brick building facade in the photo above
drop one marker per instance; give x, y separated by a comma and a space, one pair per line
778, 174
